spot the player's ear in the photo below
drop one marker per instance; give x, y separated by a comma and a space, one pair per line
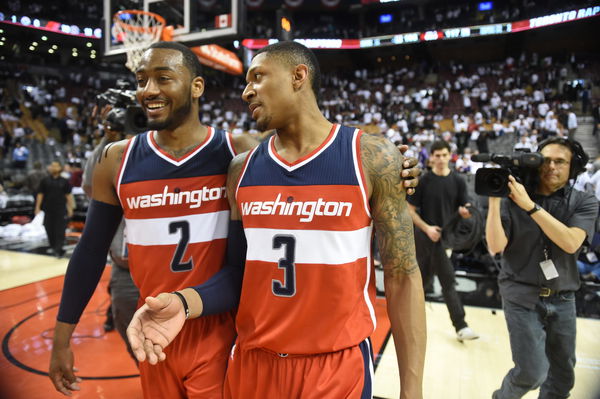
300, 77
197, 87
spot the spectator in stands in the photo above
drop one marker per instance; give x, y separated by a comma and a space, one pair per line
524, 144
571, 121
76, 173
55, 199
595, 179
3, 197
20, 156
596, 116
5, 142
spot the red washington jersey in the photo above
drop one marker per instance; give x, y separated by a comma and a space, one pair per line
309, 283
176, 211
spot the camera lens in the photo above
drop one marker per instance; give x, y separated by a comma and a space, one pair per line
495, 182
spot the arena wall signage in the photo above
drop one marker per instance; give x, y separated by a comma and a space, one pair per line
404, 38
443, 34
51, 26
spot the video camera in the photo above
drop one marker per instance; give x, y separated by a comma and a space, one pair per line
493, 182
126, 115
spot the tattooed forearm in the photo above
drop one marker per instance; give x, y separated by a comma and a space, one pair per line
393, 225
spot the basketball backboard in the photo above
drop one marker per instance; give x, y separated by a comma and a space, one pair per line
194, 22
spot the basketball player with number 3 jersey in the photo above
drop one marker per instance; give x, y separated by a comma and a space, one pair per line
309, 286
308, 200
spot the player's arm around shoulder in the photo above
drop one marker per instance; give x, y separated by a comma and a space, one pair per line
382, 164
105, 172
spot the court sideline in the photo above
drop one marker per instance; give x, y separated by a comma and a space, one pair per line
30, 288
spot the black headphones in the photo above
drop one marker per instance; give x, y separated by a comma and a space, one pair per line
578, 159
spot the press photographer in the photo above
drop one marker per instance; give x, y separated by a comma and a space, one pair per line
126, 115
540, 234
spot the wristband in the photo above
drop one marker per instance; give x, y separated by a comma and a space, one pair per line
186, 309
533, 210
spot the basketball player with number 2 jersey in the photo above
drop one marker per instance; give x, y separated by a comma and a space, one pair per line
176, 216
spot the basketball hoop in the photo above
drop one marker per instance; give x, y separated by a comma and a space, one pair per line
137, 30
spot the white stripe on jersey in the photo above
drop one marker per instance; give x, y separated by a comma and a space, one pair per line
204, 227
312, 246
229, 139
357, 163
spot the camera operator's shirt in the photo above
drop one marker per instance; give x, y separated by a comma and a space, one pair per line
438, 197
521, 276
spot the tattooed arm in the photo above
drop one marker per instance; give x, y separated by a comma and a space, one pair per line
105, 173
403, 287
86, 266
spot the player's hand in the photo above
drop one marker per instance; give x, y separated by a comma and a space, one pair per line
410, 171
62, 372
434, 233
154, 326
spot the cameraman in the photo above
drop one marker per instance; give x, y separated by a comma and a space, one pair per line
540, 237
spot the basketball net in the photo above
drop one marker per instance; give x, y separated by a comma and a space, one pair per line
137, 30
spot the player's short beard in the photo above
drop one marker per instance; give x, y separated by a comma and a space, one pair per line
263, 124
175, 119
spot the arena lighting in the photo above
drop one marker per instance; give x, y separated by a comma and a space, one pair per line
286, 25
385, 18
485, 6
89, 44
51, 26
54, 46
44, 38
443, 34
51, 51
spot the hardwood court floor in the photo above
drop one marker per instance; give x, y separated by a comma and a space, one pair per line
30, 292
